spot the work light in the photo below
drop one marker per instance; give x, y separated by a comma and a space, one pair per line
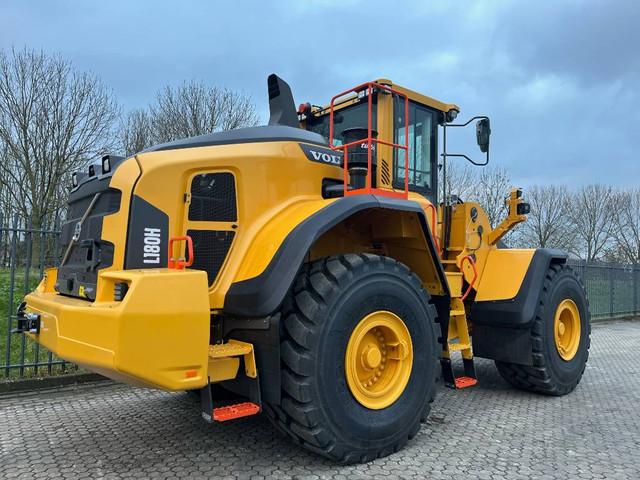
106, 164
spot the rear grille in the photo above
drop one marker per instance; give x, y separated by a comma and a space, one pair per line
210, 249
213, 198
79, 274
109, 202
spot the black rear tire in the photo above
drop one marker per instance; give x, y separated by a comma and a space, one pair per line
318, 411
550, 374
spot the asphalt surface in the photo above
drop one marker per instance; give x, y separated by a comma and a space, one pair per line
486, 432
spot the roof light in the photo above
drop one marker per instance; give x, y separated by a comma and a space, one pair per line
304, 108
92, 170
106, 164
452, 114
74, 179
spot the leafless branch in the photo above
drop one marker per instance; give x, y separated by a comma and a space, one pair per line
52, 121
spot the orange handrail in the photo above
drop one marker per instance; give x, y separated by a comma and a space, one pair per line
369, 88
434, 219
177, 263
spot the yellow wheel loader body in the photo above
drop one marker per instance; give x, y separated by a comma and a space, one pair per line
283, 258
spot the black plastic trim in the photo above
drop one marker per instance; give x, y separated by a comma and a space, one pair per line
263, 294
519, 312
143, 216
511, 345
266, 133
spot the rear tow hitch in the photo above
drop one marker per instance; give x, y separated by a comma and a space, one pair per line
26, 322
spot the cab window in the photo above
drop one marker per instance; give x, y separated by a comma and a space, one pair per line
348, 117
422, 148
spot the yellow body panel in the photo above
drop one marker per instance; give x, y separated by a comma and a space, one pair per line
276, 188
268, 239
503, 273
158, 335
498, 272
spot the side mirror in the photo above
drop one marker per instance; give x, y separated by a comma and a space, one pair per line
483, 132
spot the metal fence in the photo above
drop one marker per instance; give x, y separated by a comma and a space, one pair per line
613, 291
25, 252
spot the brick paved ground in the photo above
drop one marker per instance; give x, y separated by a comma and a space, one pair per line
487, 432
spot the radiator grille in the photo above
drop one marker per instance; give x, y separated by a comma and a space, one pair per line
210, 249
213, 198
89, 253
107, 203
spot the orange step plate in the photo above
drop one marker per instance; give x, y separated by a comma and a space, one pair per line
230, 412
464, 382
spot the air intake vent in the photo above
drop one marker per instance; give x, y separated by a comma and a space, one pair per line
210, 249
213, 198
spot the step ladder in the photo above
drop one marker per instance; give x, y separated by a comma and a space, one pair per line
224, 363
458, 338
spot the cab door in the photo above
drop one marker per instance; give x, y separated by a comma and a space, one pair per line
423, 138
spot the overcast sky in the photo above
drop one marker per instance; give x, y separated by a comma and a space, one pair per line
559, 79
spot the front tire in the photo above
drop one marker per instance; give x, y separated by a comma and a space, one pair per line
334, 304
560, 337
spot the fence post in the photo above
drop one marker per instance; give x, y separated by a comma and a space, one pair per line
610, 292
636, 270
1, 244
12, 276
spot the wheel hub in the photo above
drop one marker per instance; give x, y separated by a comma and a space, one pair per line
371, 357
379, 359
566, 328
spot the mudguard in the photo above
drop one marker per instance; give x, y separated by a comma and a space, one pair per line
501, 327
519, 311
262, 295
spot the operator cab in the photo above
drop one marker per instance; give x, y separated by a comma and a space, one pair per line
389, 127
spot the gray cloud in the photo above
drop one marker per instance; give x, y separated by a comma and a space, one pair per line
559, 79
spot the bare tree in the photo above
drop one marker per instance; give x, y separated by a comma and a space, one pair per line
591, 216
135, 132
461, 180
492, 188
548, 224
195, 109
191, 109
626, 218
52, 119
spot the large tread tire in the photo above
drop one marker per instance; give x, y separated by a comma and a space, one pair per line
550, 374
327, 300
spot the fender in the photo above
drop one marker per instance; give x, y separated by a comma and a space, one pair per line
262, 295
501, 328
519, 311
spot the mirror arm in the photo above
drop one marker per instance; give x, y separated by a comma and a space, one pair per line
479, 164
479, 117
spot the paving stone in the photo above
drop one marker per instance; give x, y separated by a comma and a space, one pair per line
490, 431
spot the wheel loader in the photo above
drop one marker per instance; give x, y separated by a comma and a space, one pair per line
309, 269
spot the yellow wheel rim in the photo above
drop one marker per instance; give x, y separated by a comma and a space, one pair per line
566, 329
379, 359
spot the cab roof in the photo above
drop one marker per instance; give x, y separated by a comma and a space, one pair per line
418, 97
